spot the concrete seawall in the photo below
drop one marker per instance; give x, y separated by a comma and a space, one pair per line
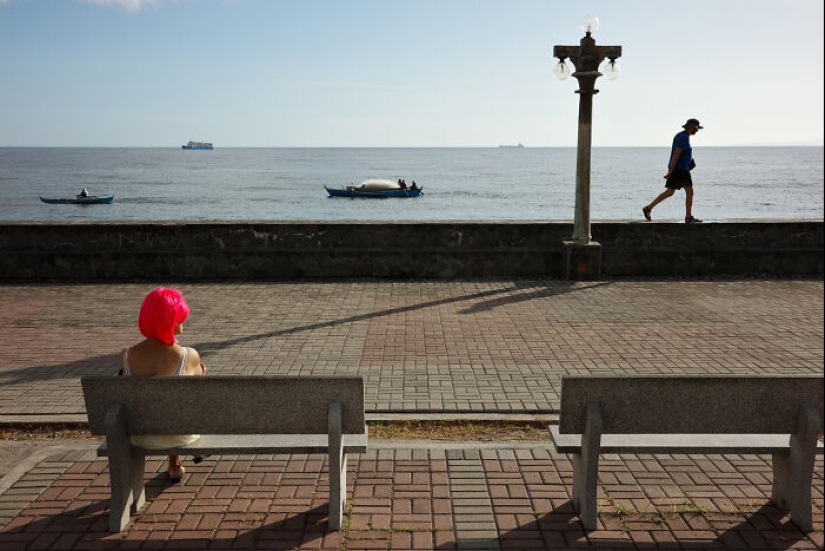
91, 252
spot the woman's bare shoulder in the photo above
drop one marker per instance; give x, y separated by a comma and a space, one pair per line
192, 355
193, 361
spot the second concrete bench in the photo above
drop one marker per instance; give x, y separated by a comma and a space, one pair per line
777, 415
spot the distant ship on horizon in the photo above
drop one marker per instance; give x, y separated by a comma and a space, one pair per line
519, 146
205, 146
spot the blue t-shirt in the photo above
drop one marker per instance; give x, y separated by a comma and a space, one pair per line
681, 140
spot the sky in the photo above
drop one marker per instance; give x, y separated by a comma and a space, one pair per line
403, 73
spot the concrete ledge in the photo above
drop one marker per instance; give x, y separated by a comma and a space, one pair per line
90, 252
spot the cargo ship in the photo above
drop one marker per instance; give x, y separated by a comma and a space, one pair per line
198, 146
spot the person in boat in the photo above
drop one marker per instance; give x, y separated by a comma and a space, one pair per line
414, 185
83, 193
402, 184
160, 319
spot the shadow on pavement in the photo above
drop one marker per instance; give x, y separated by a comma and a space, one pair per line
765, 528
109, 363
86, 528
552, 288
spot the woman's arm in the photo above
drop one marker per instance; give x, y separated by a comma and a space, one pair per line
194, 366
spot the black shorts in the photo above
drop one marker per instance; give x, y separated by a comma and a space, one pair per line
679, 179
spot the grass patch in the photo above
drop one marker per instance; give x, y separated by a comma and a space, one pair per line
22, 432
378, 430
459, 430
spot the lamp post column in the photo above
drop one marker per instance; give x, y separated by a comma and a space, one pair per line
581, 214
582, 255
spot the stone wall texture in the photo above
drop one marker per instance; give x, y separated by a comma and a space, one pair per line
214, 251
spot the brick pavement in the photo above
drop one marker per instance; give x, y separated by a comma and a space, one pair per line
469, 346
440, 497
481, 346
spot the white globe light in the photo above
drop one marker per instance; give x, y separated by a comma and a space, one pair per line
612, 70
561, 70
590, 23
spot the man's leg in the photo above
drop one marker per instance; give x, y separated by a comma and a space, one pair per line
662, 196
688, 202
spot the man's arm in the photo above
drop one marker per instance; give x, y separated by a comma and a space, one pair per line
677, 152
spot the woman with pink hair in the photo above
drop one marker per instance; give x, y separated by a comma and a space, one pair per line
161, 318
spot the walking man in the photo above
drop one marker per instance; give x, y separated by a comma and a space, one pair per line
678, 171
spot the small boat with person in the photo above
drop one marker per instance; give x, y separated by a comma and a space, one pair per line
377, 188
82, 198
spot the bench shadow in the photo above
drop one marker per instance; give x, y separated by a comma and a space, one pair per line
88, 527
768, 527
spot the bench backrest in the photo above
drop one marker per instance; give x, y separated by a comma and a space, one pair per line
687, 404
225, 404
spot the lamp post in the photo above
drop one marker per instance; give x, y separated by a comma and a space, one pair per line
582, 255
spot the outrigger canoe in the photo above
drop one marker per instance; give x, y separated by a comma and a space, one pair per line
91, 200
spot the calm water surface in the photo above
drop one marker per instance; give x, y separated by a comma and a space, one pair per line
459, 183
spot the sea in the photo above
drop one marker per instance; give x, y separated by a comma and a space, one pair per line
459, 184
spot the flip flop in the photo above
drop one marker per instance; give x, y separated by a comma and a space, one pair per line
646, 212
692, 220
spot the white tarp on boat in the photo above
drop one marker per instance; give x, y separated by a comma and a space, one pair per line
376, 185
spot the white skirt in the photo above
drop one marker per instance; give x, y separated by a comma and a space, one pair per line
163, 441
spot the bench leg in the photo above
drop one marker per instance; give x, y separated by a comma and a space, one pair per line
337, 468
586, 469
793, 471
337, 492
779, 491
125, 471
136, 489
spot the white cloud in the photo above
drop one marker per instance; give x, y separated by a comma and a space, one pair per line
131, 5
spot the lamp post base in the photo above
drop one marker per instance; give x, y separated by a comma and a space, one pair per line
582, 261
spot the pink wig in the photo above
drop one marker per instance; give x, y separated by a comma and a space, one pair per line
162, 310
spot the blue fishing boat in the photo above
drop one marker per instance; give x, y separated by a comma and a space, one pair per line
90, 200
381, 193
376, 188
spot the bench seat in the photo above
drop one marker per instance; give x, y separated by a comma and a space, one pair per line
247, 444
759, 444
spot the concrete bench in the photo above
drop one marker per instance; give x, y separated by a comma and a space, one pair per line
778, 415
235, 415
